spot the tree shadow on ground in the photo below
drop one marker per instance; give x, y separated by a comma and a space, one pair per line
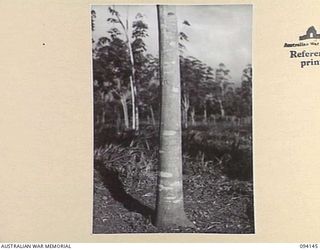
111, 181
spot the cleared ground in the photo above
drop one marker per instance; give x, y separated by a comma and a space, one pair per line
218, 188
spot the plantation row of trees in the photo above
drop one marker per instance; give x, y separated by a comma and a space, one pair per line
126, 81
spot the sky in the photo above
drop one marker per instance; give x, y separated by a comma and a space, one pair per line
218, 33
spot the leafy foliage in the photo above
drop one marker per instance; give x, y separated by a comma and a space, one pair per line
208, 94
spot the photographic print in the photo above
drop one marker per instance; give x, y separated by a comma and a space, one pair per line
172, 98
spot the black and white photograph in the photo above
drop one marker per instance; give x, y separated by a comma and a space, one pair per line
172, 100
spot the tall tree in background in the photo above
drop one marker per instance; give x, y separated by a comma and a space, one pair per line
223, 80
111, 72
246, 91
125, 28
119, 65
170, 207
207, 94
136, 47
148, 76
197, 84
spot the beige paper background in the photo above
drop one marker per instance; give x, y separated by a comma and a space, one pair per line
46, 126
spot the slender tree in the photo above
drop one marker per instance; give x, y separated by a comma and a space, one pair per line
125, 28
136, 47
170, 207
223, 80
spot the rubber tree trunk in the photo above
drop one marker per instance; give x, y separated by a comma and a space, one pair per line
133, 84
137, 117
169, 206
186, 106
193, 121
133, 103
125, 112
222, 112
132, 77
152, 116
205, 116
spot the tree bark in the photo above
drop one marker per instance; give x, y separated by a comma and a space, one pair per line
205, 116
169, 207
186, 106
152, 116
125, 112
133, 103
222, 112
193, 116
137, 118
132, 77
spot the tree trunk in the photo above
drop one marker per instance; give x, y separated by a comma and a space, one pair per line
132, 77
185, 114
222, 112
137, 118
152, 116
169, 207
133, 103
184, 118
222, 88
205, 116
185, 110
125, 112
192, 116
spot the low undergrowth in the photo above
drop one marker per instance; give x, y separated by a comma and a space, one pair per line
217, 176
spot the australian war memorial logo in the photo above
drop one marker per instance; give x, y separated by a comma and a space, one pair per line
306, 50
310, 34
